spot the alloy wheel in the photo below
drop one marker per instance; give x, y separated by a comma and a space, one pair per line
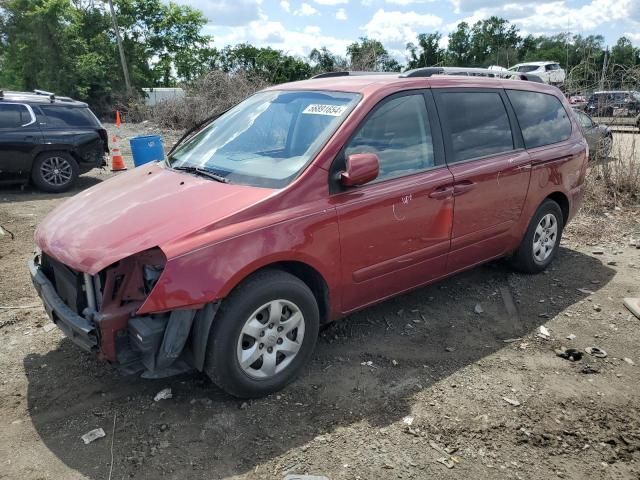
56, 171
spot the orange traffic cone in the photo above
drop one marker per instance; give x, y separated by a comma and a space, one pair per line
117, 162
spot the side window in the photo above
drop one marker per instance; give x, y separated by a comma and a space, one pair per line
542, 118
476, 123
399, 132
14, 115
585, 121
63, 117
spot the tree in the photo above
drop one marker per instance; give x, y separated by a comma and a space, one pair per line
370, 55
493, 42
624, 57
325, 61
427, 52
270, 64
459, 45
69, 47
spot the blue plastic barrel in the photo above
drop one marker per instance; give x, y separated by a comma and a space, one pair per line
146, 148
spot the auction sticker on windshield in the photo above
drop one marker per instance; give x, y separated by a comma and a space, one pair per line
318, 109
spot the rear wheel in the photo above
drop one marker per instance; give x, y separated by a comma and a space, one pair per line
54, 172
263, 335
542, 239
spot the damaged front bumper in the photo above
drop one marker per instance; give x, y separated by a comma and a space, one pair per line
156, 345
77, 328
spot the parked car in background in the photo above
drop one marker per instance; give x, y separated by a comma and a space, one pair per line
599, 137
48, 140
549, 72
306, 202
615, 103
578, 101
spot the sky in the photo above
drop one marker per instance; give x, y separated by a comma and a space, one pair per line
298, 26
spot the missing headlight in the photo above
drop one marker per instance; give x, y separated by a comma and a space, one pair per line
151, 274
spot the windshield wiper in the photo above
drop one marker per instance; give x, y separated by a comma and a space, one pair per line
203, 172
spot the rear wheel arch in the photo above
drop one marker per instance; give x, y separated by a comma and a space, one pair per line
563, 202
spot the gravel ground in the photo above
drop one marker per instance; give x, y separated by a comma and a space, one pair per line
420, 386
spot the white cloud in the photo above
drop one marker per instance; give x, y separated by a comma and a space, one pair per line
634, 37
550, 16
305, 10
312, 30
226, 12
331, 2
262, 33
286, 6
341, 14
473, 5
404, 3
366, 3
396, 29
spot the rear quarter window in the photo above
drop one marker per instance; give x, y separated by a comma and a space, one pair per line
542, 118
64, 117
13, 115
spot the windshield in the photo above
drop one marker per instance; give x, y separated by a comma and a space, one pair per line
267, 139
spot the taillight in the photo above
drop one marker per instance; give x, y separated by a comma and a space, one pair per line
104, 136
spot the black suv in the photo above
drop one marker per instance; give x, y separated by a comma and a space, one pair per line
614, 103
48, 139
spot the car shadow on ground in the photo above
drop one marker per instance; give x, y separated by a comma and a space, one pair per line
412, 342
27, 192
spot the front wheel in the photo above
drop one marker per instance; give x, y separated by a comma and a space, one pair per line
263, 335
542, 239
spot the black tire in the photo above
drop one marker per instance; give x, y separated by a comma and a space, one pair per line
222, 363
47, 181
523, 259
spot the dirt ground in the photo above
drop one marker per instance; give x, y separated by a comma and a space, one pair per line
405, 389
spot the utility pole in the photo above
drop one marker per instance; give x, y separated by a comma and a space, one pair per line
123, 59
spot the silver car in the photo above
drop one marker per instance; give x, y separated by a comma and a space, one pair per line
598, 136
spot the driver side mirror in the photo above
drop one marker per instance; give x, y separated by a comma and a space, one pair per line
361, 168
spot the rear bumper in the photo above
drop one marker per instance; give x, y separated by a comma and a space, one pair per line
98, 162
81, 331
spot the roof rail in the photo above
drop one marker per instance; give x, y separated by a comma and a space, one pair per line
469, 72
349, 74
51, 95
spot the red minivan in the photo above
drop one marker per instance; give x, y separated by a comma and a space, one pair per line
302, 204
